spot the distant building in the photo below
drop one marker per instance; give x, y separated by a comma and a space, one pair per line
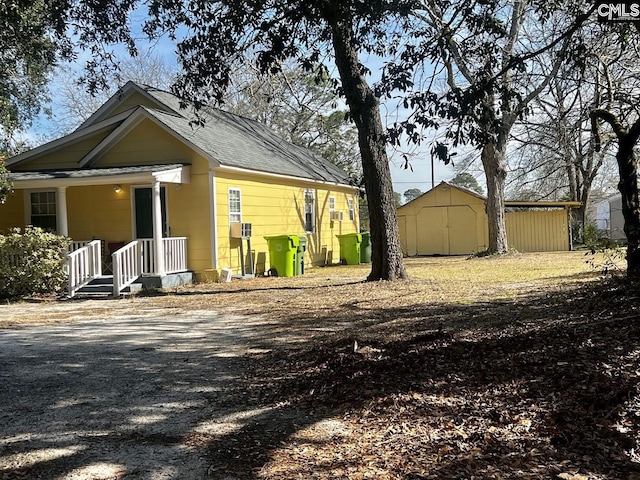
452, 220
607, 216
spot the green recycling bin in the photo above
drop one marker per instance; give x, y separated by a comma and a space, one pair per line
350, 248
365, 248
282, 254
302, 247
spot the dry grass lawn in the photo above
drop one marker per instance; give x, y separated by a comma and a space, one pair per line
337, 289
432, 280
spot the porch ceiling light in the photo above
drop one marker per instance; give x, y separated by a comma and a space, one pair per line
117, 189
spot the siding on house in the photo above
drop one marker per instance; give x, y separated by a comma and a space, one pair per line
189, 215
147, 144
12, 212
65, 158
99, 212
276, 207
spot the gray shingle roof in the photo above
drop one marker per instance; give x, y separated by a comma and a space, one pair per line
244, 143
229, 139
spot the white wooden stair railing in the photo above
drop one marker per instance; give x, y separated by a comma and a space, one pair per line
85, 265
127, 266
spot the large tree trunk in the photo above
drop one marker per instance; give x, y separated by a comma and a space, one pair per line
628, 186
572, 177
493, 160
581, 212
386, 253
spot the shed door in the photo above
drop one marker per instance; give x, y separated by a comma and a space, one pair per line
463, 230
431, 230
447, 230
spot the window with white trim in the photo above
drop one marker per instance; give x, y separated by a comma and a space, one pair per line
235, 205
309, 210
352, 212
43, 210
332, 205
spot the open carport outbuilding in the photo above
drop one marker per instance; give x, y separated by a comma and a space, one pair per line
451, 220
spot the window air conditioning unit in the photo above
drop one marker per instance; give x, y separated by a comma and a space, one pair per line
239, 230
336, 216
235, 230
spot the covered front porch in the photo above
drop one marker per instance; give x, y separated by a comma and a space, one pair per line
123, 211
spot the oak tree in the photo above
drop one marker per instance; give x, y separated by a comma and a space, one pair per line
30, 42
317, 36
485, 74
6, 186
466, 180
555, 154
411, 194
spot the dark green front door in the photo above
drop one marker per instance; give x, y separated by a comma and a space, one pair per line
143, 205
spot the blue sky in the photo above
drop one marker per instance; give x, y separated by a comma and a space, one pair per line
420, 177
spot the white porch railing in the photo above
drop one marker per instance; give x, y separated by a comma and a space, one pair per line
127, 265
84, 264
78, 244
148, 255
175, 255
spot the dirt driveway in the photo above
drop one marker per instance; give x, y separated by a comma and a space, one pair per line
124, 396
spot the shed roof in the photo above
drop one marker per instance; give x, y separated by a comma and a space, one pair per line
508, 203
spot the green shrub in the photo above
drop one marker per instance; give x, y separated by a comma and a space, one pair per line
592, 238
32, 263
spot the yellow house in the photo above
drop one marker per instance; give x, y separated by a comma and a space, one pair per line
140, 182
451, 220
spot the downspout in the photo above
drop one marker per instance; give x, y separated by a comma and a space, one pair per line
570, 228
214, 219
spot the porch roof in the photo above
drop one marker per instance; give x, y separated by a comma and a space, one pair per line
171, 173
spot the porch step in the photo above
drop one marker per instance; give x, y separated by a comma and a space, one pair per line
103, 287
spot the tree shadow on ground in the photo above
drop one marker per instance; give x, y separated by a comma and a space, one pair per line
530, 388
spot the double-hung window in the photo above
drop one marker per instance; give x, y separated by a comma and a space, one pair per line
235, 205
352, 213
43, 210
309, 210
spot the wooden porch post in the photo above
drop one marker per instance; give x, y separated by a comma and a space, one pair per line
61, 211
157, 230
